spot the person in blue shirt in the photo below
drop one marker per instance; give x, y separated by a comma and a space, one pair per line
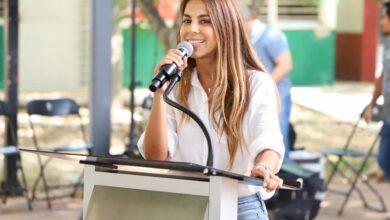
273, 51
382, 87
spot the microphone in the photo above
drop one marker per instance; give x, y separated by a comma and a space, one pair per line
167, 70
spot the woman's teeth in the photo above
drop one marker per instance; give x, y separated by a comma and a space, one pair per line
196, 41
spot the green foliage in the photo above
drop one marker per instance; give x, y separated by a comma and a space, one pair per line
122, 4
310, 2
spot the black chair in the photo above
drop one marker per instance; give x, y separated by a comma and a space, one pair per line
343, 156
5, 190
55, 108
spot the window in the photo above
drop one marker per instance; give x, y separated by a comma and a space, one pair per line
292, 10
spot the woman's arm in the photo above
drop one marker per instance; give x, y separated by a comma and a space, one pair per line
156, 134
155, 142
267, 165
269, 158
266, 145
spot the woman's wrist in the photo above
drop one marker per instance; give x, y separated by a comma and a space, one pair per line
158, 97
264, 166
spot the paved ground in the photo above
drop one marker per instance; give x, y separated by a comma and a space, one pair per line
67, 209
64, 209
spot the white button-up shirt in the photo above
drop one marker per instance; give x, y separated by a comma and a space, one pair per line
186, 142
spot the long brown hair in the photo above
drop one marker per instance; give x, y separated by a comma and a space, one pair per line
235, 56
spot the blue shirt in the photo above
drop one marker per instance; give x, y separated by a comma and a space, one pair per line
386, 79
269, 43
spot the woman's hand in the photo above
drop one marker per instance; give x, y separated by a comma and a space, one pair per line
271, 181
173, 56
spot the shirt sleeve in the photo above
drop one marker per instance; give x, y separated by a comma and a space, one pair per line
264, 126
171, 132
276, 43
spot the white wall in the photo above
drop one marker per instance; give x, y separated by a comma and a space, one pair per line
328, 13
350, 16
53, 44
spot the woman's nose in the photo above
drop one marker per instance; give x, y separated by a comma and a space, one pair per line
194, 27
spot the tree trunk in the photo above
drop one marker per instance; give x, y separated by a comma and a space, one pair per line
166, 35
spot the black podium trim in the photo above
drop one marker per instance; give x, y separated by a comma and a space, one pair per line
110, 164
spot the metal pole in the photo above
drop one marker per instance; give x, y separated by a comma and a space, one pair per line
101, 76
132, 150
272, 11
11, 88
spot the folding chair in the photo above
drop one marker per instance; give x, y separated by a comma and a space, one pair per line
55, 108
5, 191
347, 153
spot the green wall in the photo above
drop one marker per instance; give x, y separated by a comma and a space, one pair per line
313, 57
148, 53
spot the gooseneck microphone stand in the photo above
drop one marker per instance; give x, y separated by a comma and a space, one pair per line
175, 78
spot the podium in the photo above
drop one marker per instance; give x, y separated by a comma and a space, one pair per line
121, 188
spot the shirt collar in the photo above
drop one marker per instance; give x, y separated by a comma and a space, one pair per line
195, 80
257, 30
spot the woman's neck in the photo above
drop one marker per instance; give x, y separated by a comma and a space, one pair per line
206, 72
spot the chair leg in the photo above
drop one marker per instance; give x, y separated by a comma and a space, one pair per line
341, 210
357, 176
36, 182
4, 199
45, 185
334, 170
372, 189
77, 185
360, 193
46, 188
35, 185
25, 188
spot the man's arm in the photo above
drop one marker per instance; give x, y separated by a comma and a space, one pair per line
283, 65
375, 96
377, 90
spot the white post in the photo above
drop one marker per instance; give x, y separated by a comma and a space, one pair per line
327, 10
272, 11
89, 172
223, 198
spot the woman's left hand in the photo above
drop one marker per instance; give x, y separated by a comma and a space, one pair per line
271, 181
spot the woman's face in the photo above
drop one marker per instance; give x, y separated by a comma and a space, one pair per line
197, 29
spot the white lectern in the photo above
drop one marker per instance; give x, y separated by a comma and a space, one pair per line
122, 188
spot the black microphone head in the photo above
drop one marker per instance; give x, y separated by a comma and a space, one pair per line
186, 47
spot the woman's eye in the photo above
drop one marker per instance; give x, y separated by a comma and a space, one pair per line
186, 21
205, 21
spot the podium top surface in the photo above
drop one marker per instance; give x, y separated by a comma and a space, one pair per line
113, 162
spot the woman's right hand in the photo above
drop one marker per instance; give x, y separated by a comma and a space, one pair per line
173, 56
368, 113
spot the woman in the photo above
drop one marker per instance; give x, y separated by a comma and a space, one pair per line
224, 84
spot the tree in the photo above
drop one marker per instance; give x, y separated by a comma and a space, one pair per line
166, 35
